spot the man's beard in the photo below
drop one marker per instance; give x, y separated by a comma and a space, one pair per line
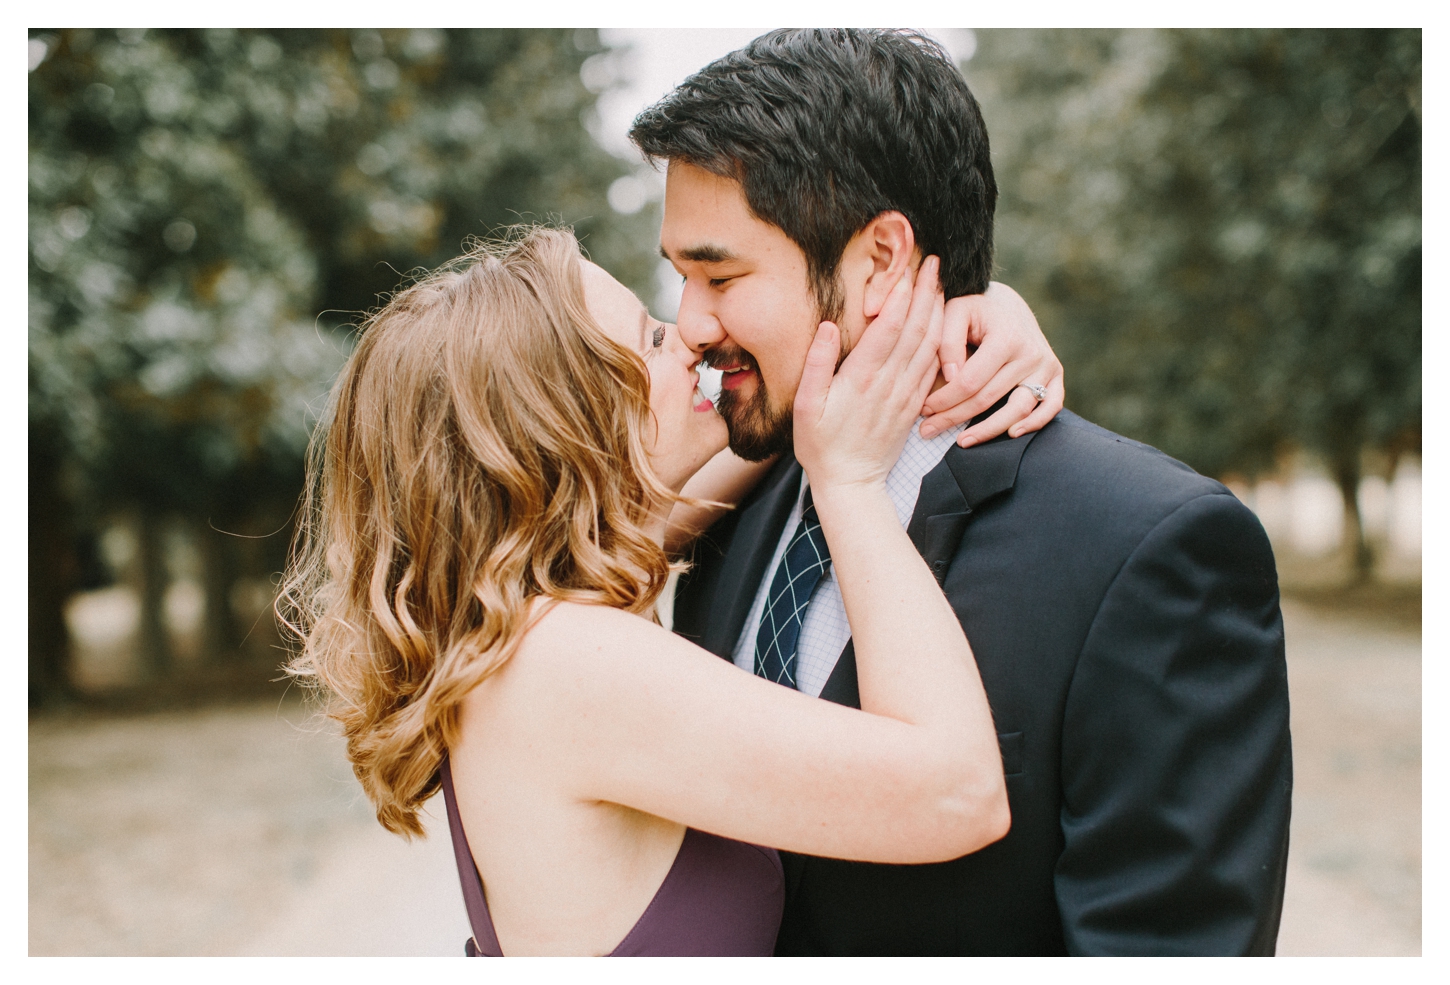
756, 430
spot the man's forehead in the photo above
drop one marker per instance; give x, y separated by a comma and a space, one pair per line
683, 174
703, 193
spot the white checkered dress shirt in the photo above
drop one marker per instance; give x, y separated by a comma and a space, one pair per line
825, 631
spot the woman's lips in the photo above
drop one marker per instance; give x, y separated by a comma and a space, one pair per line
702, 402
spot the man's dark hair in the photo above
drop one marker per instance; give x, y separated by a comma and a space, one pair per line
825, 129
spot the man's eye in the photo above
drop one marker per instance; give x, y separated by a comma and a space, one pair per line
718, 281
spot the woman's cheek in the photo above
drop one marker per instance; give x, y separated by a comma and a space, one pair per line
659, 403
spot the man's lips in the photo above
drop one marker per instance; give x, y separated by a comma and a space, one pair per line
732, 378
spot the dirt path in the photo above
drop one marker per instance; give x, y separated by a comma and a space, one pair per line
1354, 842
224, 831
241, 831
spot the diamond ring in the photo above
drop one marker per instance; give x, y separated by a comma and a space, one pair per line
1040, 392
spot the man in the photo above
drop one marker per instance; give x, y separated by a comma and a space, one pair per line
1123, 609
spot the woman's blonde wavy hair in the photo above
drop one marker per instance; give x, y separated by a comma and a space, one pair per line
484, 446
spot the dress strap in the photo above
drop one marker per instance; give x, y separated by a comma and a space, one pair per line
484, 942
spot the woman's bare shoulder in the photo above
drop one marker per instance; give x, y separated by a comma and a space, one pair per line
566, 660
578, 668
588, 640
563, 623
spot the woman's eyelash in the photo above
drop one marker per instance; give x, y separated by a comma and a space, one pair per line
659, 338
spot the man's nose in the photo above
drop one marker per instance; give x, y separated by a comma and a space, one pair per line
699, 327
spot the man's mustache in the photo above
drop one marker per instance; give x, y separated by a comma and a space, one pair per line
729, 357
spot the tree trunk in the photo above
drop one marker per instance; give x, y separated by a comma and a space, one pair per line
153, 644
1361, 559
221, 563
52, 573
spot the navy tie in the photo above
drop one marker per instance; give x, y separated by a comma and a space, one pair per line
805, 562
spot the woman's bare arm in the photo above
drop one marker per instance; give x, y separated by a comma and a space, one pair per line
620, 710
726, 479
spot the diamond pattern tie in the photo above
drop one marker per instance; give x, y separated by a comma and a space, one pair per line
804, 563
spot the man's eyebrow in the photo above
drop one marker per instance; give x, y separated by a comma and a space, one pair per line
706, 253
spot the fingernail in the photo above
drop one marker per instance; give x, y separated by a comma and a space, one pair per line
927, 432
949, 371
966, 441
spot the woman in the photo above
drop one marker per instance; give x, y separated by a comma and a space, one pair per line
481, 556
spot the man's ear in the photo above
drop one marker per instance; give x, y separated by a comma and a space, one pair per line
890, 243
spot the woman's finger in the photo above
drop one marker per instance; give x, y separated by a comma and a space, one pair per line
924, 364
1052, 378
879, 339
980, 369
969, 314
955, 403
1019, 406
815, 384
953, 352
923, 308
1049, 408
995, 389
960, 405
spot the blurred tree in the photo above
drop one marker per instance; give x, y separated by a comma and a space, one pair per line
196, 198
1222, 232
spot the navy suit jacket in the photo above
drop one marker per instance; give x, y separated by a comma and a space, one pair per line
1124, 613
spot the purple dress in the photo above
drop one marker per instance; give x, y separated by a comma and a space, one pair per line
721, 898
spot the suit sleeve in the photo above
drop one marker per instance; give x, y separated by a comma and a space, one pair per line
1176, 764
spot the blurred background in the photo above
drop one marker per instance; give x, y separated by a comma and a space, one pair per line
1219, 230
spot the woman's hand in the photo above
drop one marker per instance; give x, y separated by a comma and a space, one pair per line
1011, 350
850, 427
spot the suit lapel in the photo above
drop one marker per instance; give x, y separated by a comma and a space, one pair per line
842, 687
939, 518
751, 547
962, 481
984, 471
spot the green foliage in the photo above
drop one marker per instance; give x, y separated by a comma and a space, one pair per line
198, 197
1220, 231
210, 213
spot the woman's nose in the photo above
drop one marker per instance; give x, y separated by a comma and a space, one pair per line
676, 346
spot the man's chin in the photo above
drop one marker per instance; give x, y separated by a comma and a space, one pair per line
755, 440
756, 451
757, 430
